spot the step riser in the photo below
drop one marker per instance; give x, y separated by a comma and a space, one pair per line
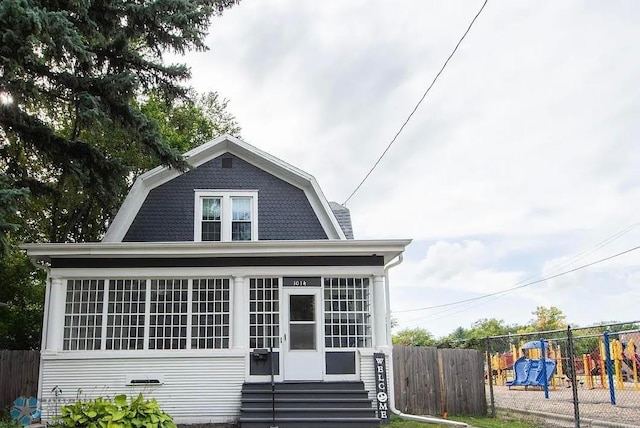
318, 424
307, 404
333, 413
348, 386
336, 396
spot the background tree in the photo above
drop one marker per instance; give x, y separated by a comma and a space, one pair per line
413, 337
22, 296
546, 319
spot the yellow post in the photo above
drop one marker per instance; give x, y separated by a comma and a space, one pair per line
631, 353
601, 363
559, 361
586, 361
616, 353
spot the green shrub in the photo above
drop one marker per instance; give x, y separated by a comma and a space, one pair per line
9, 423
116, 413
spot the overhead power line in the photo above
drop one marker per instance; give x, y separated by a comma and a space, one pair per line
508, 290
466, 306
417, 105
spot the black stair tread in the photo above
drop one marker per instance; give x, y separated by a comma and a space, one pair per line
305, 391
327, 399
281, 419
310, 409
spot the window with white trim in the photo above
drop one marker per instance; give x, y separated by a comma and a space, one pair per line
168, 320
264, 313
133, 314
83, 315
347, 318
225, 215
210, 314
125, 314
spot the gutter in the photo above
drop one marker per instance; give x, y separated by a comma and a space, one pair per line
392, 401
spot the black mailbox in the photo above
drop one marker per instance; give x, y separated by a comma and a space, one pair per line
260, 354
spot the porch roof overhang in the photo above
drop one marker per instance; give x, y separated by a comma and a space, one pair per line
385, 249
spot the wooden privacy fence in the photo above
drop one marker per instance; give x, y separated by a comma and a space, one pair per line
430, 381
18, 375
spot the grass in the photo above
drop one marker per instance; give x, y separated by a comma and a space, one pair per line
502, 421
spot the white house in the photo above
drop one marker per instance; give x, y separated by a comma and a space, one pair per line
200, 274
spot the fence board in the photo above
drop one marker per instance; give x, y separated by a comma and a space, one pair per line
18, 375
430, 381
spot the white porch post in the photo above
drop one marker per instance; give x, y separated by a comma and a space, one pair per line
379, 312
55, 323
240, 310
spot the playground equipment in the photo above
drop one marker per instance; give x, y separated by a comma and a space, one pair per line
613, 364
617, 361
533, 372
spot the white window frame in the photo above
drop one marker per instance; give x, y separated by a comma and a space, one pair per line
99, 342
226, 212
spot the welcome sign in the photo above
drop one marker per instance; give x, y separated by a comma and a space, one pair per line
382, 392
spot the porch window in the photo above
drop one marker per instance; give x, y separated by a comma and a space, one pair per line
210, 314
264, 313
132, 314
225, 215
347, 313
125, 314
83, 315
168, 320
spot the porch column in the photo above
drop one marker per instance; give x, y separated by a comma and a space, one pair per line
379, 312
55, 323
240, 311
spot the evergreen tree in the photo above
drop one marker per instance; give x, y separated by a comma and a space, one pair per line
71, 73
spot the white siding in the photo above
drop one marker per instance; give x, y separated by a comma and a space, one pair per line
195, 390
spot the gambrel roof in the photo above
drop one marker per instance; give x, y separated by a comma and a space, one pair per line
333, 227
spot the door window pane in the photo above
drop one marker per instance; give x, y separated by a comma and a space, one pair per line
302, 308
303, 336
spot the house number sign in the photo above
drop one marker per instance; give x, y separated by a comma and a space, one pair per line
382, 392
301, 281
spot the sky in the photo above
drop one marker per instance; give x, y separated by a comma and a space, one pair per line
521, 162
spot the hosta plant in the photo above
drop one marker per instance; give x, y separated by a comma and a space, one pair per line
116, 413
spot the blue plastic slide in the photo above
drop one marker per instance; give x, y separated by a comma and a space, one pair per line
529, 372
520, 368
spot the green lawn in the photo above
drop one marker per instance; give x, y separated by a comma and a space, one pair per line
503, 421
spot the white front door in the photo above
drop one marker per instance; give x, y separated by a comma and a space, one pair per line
302, 347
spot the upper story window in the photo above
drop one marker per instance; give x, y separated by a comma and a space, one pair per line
226, 215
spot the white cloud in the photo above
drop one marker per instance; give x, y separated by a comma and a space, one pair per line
523, 154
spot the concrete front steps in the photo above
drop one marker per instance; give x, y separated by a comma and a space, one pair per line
307, 405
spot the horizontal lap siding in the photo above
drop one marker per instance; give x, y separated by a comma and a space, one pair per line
195, 389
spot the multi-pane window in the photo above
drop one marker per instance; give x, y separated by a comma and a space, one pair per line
264, 313
241, 219
225, 215
210, 314
129, 314
211, 219
168, 321
125, 314
83, 314
347, 313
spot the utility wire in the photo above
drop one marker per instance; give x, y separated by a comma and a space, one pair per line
417, 105
581, 255
497, 293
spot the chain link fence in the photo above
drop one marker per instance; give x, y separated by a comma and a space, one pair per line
587, 376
